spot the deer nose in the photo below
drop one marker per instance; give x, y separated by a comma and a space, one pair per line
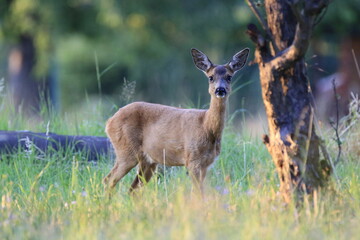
220, 92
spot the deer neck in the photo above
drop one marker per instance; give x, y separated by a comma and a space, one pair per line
215, 117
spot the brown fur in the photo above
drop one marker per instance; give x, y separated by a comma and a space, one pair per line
147, 134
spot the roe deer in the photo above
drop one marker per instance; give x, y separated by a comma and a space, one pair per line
147, 134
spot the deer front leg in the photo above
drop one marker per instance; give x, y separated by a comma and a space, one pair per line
197, 173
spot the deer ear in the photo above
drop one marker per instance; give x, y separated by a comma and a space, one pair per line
239, 60
201, 61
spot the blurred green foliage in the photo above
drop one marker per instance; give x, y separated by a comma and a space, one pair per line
147, 42
341, 20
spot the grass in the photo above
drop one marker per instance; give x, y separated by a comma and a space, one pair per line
59, 196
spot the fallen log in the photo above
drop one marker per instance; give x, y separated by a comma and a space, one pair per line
91, 146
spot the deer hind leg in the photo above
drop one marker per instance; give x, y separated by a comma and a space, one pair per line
145, 172
124, 163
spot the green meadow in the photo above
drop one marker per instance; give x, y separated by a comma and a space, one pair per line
59, 195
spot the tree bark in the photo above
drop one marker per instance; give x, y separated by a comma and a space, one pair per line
291, 141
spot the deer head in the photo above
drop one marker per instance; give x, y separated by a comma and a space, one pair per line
219, 75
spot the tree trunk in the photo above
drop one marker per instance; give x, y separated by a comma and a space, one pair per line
26, 91
292, 141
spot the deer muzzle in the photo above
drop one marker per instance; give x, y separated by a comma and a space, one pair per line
220, 92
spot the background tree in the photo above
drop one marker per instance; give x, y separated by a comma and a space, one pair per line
292, 141
29, 33
27, 28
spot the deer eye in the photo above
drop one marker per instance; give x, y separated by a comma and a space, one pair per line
228, 78
211, 78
